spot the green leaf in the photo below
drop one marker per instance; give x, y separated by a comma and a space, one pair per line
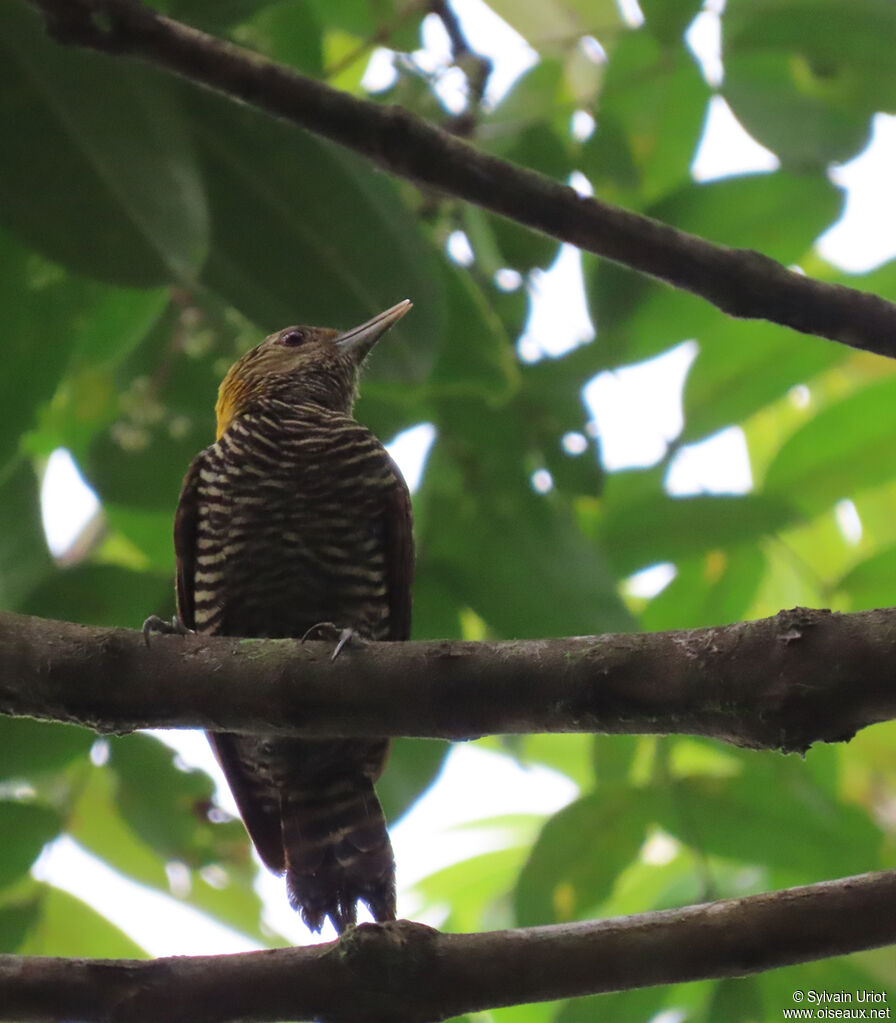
802, 129
652, 110
742, 367
638, 317
779, 214
548, 24
478, 360
26, 827
533, 99
799, 832
98, 171
667, 19
804, 76
18, 917
28, 746
172, 817
70, 924
613, 757
471, 888
413, 766
212, 15
642, 532
737, 1000
287, 32
640, 1004
219, 882
151, 533
869, 584
39, 303
101, 336
24, 558
715, 589
365, 20
529, 549
579, 854
99, 595
845, 448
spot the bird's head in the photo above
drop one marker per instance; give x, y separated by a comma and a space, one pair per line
302, 366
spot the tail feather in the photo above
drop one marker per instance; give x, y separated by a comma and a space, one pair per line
337, 853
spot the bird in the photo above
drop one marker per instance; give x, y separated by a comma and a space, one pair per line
294, 521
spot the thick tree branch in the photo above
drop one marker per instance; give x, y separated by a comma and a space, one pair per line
740, 282
777, 683
410, 973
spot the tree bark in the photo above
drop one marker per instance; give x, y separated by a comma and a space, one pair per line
740, 282
783, 683
409, 973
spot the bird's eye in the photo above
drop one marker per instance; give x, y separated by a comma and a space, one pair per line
294, 337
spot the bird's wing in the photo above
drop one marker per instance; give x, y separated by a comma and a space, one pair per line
399, 556
185, 525
255, 794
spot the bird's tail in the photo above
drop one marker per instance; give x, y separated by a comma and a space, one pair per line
337, 852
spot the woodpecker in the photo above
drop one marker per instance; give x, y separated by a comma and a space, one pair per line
296, 516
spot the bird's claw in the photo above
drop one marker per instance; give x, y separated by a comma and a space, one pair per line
324, 629
345, 637
175, 627
329, 630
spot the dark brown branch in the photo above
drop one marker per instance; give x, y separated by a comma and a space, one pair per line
409, 972
777, 683
740, 282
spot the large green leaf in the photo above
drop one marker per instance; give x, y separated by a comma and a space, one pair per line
96, 822
522, 566
98, 171
99, 595
27, 746
844, 448
871, 583
100, 337
18, 918
469, 889
66, 924
622, 1006
779, 214
43, 310
804, 76
645, 531
652, 109
638, 317
24, 558
799, 832
288, 32
580, 853
667, 19
366, 20
413, 766
742, 367
26, 829
713, 589
173, 816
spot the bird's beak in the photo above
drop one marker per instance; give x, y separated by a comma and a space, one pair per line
359, 340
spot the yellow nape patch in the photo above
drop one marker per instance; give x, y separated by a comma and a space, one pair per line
230, 398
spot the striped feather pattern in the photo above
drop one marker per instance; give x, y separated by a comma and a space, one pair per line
287, 521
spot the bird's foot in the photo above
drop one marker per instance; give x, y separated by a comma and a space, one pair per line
175, 627
329, 630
